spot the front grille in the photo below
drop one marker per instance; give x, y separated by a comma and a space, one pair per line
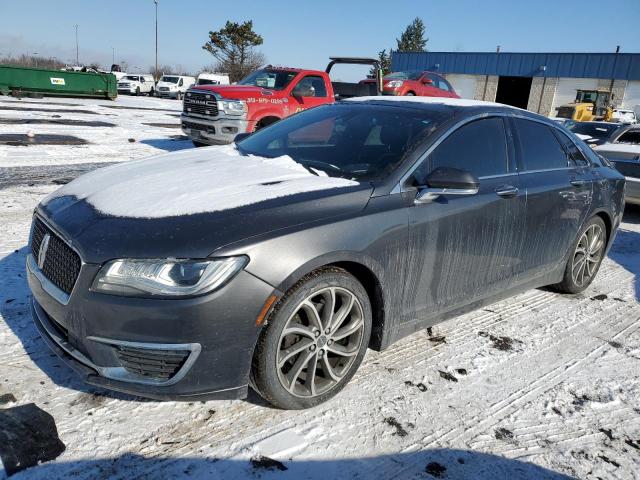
124, 85
61, 263
163, 89
151, 363
200, 103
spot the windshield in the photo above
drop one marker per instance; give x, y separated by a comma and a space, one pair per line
131, 77
271, 79
595, 130
362, 142
206, 81
403, 76
170, 79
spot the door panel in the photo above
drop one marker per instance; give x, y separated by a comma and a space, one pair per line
465, 248
559, 188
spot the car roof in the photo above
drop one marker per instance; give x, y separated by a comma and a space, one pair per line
459, 103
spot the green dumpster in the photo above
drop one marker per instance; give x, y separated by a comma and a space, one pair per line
17, 80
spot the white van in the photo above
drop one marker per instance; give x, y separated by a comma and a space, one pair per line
138, 83
174, 86
206, 78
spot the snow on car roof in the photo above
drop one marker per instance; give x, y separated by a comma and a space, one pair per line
618, 147
454, 102
193, 181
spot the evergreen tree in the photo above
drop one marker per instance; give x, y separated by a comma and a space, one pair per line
412, 39
233, 47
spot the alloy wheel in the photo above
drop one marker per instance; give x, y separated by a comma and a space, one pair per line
588, 255
320, 342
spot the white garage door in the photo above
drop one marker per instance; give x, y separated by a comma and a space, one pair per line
566, 90
631, 98
464, 85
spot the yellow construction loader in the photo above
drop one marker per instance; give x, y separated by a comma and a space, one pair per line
589, 105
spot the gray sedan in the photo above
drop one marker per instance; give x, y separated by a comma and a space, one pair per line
276, 264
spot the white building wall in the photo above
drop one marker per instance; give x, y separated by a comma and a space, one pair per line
464, 85
631, 99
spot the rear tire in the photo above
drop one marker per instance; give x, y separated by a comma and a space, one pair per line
152, 92
586, 257
306, 354
137, 91
199, 144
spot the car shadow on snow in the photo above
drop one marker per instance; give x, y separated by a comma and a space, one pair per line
624, 250
171, 144
15, 308
436, 463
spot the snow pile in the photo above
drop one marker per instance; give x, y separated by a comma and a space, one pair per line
193, 181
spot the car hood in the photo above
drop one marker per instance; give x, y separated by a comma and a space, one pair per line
188, 204
241, 92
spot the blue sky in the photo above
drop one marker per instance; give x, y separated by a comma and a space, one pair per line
305, 33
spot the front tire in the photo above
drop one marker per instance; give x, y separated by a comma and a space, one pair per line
314, 341
137, 91
586, 258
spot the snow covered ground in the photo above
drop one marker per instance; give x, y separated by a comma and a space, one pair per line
539, 386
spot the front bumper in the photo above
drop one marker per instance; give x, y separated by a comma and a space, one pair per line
168, 94
632, 190
130, 91
218, 330
220, 130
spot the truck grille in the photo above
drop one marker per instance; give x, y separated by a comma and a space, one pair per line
151, 363
200, 103
124, 85
61, 263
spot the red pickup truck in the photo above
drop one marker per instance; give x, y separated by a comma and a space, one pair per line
215, 114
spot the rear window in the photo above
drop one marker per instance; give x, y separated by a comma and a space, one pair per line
595, 130
632, 137
539, 148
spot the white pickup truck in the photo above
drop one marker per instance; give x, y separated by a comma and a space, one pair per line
136, 84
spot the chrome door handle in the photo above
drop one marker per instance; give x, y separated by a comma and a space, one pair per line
507, 191
578, 183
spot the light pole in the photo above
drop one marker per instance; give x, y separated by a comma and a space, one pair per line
77, 62
113, 55
156, 72
35, 56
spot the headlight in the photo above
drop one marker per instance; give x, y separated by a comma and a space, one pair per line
233, 107
394, 84
166, 277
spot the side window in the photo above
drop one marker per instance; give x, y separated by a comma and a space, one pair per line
479, 147
440, 83
632, 136
311, 86
573, 152
539, 147
180, 83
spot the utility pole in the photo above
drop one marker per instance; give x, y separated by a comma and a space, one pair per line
156, 72
113, 55
35, 55
76, 27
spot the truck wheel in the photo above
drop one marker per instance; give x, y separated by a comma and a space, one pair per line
179, 96
152, 92
137, 91
314, 342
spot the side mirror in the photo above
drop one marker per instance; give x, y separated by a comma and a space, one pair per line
241, 136
301, 91
446, 181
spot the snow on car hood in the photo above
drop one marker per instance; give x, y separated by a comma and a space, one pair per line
193, 181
